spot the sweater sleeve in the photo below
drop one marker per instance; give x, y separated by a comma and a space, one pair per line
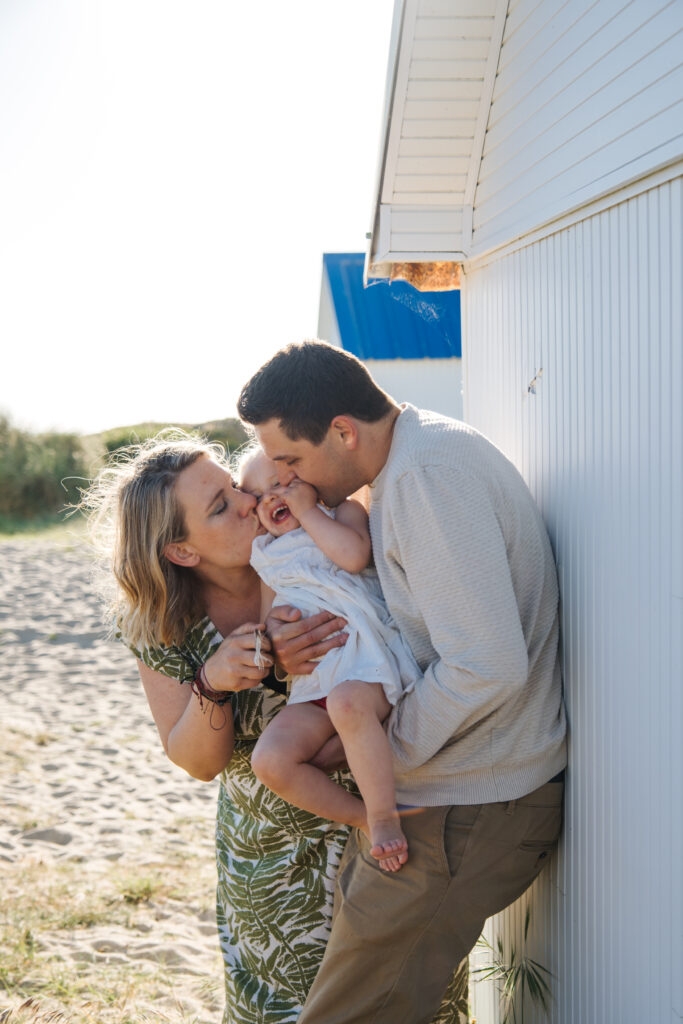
449, 550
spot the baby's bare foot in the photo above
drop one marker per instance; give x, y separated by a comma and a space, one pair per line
388, 844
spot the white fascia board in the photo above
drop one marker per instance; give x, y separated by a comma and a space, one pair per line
392, 139
405, 12
383, 241
378, 247
389, 92
456, 256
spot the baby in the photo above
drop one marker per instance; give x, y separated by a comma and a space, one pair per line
314, 559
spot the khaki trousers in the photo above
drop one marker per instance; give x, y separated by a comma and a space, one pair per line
397, 938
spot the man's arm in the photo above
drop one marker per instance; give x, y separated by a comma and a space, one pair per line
449, 546
300, 642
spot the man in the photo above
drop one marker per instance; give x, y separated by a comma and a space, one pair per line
479, 745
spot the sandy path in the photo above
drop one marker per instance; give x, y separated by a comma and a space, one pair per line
106, 848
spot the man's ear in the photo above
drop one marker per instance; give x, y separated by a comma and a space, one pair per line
345, 429
182, 554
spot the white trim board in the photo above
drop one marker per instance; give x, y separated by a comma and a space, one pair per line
398, 99
483, 118
658, 177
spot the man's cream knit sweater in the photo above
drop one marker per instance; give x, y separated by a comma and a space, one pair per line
468, 574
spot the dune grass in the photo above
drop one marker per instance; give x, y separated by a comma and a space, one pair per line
40, 474
42, 908
51, 527
72, 929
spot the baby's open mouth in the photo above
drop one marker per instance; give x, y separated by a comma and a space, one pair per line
279, 514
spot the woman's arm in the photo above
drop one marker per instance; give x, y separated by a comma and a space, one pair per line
344, 539
198, 739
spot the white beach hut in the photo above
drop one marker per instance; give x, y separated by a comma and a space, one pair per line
538, 144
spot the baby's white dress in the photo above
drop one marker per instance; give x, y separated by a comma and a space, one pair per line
302, 575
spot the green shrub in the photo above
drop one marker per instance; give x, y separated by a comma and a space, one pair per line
40, 474
229, 432
35, 471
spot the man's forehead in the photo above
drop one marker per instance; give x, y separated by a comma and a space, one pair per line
275, 442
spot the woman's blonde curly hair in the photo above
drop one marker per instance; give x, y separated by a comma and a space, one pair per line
134, 514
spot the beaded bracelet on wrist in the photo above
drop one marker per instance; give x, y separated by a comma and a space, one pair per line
200, 686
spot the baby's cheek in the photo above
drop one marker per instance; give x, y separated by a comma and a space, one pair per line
264, 519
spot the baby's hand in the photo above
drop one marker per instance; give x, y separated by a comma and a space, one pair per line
300, 497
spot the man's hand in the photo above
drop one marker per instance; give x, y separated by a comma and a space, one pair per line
298, 643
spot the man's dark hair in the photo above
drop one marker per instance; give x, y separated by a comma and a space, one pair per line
306, 385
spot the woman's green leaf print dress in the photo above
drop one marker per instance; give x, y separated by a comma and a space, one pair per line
276, 866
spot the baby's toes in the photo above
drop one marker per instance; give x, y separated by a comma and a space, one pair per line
382, 850
390, 864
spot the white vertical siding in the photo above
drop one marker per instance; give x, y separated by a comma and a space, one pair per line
588, 96
593, 315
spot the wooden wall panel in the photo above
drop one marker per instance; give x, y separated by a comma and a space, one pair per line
573, 366
588, 96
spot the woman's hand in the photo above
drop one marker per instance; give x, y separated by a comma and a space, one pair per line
297, 642
233, 666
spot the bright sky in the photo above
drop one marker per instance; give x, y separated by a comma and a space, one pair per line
171, 172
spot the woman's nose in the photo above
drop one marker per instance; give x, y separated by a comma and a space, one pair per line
249, 501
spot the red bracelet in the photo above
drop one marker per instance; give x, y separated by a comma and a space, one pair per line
200, 686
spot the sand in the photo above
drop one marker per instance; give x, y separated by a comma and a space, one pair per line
106, 848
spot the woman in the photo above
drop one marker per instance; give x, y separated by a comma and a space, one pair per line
178, 537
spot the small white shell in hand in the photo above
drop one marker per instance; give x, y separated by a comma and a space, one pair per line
260, 660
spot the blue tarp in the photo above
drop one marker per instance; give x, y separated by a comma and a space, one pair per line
391, 321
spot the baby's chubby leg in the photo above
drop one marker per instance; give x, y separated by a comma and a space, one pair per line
280, 760
357, 710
